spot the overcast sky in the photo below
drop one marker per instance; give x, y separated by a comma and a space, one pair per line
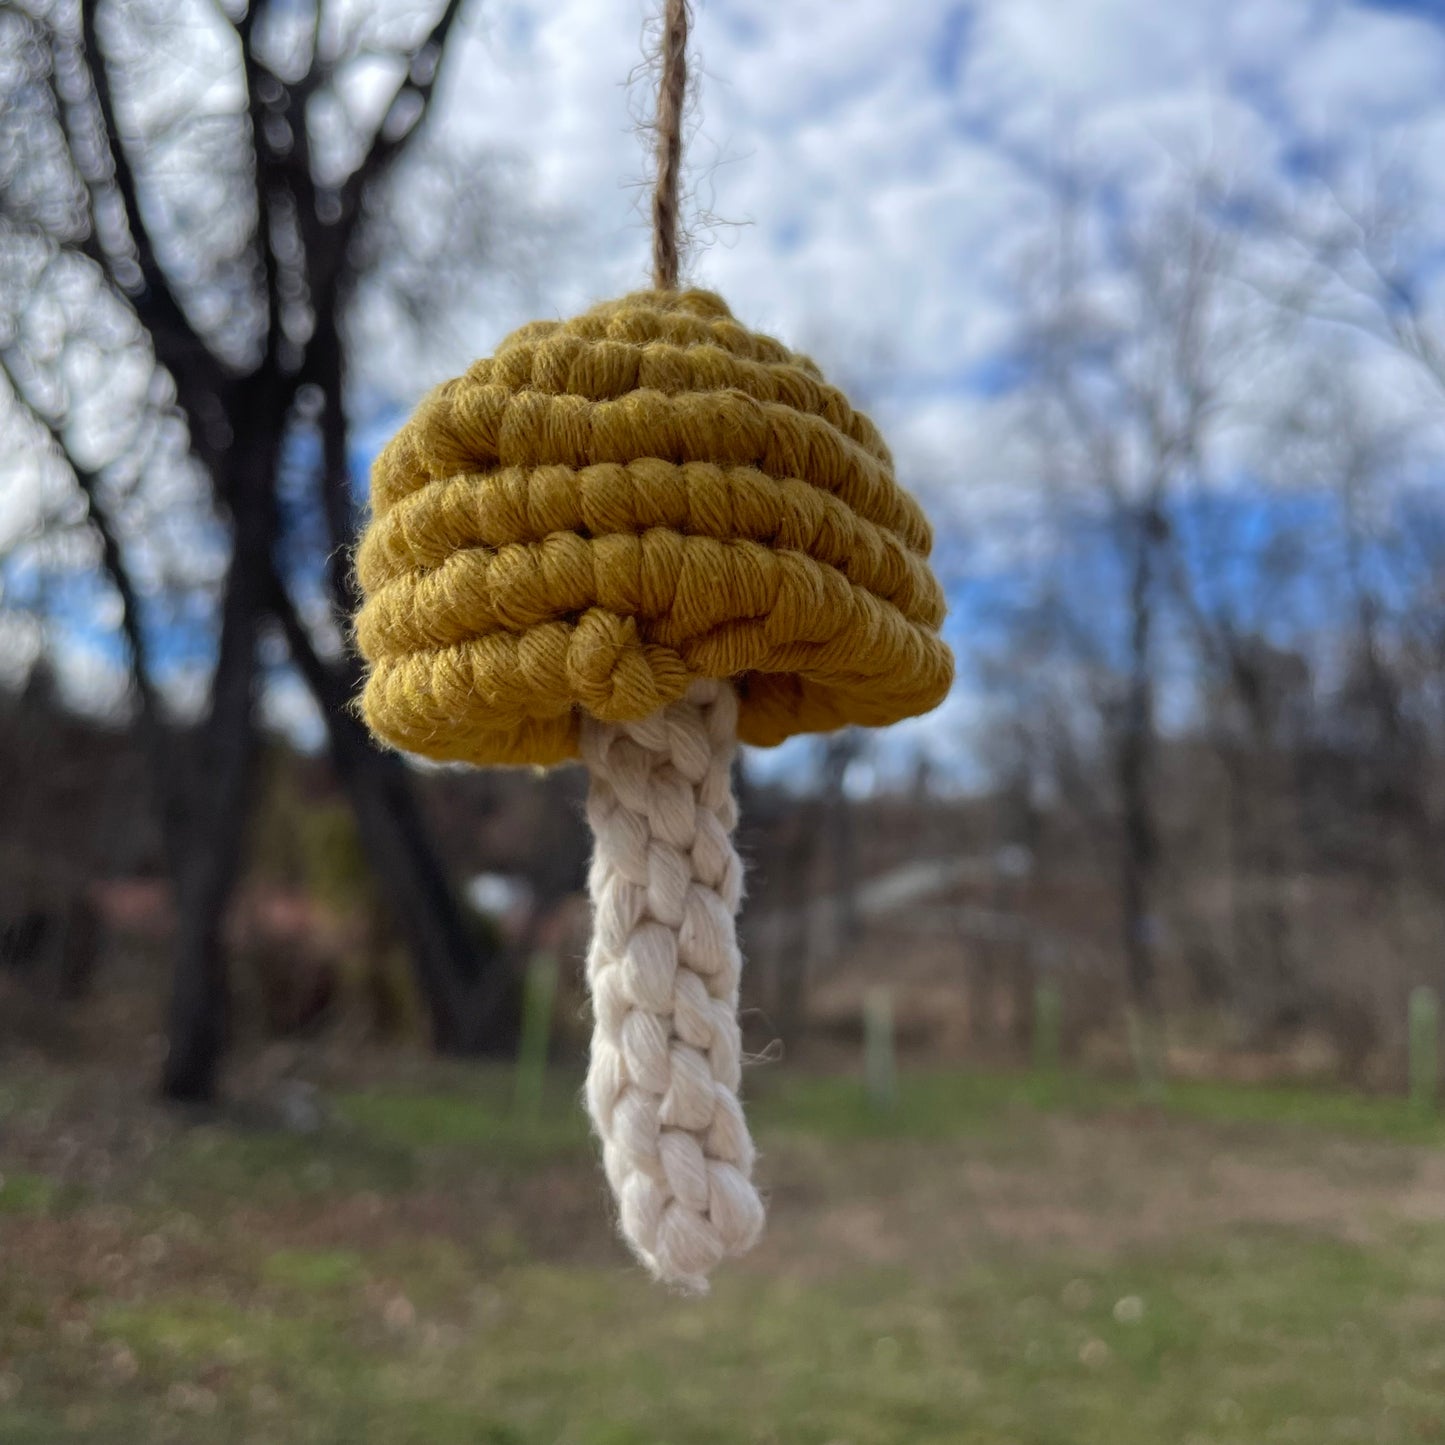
864, 170
873, 161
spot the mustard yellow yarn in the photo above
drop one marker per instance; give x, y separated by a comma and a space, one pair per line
613, 506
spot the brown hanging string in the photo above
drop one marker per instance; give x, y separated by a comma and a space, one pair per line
671, 96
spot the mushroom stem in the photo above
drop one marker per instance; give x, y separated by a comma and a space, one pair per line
663, 968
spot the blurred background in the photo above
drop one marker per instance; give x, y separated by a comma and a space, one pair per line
1094, 1017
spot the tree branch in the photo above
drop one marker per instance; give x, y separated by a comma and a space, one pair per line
178, 346
386, 148
159, 749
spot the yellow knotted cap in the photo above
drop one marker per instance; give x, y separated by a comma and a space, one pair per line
613, 506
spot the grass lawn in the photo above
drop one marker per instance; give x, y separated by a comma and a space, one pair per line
1003, 1261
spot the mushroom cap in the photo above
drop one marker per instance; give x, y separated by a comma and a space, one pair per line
612, 506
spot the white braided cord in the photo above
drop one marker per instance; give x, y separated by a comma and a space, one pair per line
662, 1086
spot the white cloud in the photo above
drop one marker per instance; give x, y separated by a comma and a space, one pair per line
882, 164
879, 178
1365, 70
287, 707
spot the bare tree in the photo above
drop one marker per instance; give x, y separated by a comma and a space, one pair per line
1368, 266
193, 199
1126, 347
1219, 645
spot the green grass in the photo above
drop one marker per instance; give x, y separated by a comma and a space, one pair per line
22, 1192
933, 1105
1334, 1110
359, 1284
207, 1167
1266, 1339
314, 1270
479, 1119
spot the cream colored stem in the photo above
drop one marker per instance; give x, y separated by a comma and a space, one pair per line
662, 1087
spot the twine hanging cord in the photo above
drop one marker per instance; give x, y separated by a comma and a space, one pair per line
671, 103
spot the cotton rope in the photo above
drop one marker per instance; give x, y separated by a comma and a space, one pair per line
662, 1086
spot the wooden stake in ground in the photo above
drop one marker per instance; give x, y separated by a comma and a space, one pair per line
1424, 1047
880, 1065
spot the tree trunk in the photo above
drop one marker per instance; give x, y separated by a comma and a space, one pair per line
215, 831
794, 883
466, 995
839, 752
1264, 967
1139, 851
220, 796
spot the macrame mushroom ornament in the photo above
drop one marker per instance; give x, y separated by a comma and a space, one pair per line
637, 537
